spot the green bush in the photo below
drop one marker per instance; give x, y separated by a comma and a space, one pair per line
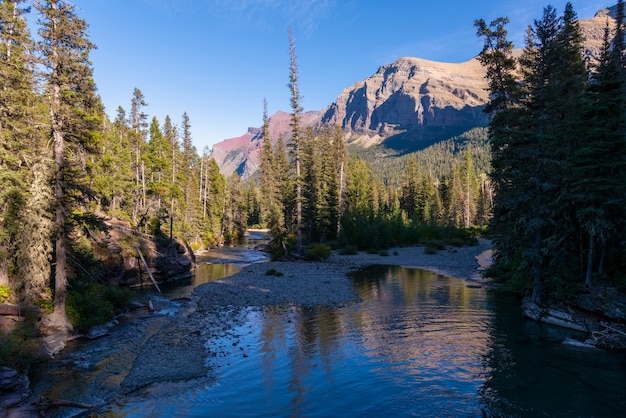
349, 250
430, 250
5, 294
318, 252
436, 244
95, 304
273, 272
384, 253
20, 347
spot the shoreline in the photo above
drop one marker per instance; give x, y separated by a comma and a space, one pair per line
326, 283
187, 347
219, 306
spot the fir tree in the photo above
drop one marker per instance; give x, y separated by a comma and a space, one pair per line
296, 110
597, 166
138, 124
74, 114
20, 143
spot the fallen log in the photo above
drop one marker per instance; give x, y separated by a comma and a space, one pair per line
18, 310
613, 336
148, 269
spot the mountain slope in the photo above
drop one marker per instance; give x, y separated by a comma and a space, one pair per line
418, 100
405, 106
242, 154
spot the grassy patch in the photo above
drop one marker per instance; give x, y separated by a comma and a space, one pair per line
6, 294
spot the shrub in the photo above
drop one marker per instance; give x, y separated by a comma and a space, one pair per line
430, 250
318, 252
384, 253
436, 244
5, 294
20, 347
348, 250
95, 304
273, 272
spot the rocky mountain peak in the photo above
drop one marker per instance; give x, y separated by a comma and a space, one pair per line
406, 105
412, 97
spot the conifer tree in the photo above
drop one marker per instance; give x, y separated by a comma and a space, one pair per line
75, 110
159, 160
20, 142
268, 176
138, 124
296, 110
538, 125
597, 165
410, 191
468, 183
189, 180
175, 192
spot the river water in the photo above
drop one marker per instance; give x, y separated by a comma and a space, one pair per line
419, 344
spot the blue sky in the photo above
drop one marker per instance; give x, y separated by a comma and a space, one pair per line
218, 59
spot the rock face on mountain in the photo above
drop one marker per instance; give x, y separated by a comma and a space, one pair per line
407, 105
418, 100
242, 154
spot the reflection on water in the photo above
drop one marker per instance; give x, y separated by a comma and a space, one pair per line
419, 344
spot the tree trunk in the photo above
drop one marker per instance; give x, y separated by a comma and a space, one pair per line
590, 261
298, 202
4, 272
60, 276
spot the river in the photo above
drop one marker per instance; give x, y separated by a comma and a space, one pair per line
420, 344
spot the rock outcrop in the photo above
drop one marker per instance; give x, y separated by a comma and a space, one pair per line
424, 101
119, 251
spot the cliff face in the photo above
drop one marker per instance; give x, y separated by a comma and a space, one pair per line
407, 105
412, 97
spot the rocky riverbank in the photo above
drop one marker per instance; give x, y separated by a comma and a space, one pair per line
174, 347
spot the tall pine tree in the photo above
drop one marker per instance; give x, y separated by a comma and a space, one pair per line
75, 112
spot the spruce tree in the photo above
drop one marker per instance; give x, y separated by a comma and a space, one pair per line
138, 124
597, 166
20, 142
268, 177
296, 110
507, 143
75, 110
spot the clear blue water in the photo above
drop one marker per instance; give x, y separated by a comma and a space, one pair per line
419, 344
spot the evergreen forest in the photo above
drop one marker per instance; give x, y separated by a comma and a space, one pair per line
557, 155
546, 180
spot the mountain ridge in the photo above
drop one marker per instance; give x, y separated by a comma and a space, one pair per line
405, 106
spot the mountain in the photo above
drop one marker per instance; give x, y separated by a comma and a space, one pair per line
242, 154
412, 103
404, 106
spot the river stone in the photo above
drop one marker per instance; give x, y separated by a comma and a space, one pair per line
97, 332
13, 388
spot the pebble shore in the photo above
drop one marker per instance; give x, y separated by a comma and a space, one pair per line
186, 347
327, 284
